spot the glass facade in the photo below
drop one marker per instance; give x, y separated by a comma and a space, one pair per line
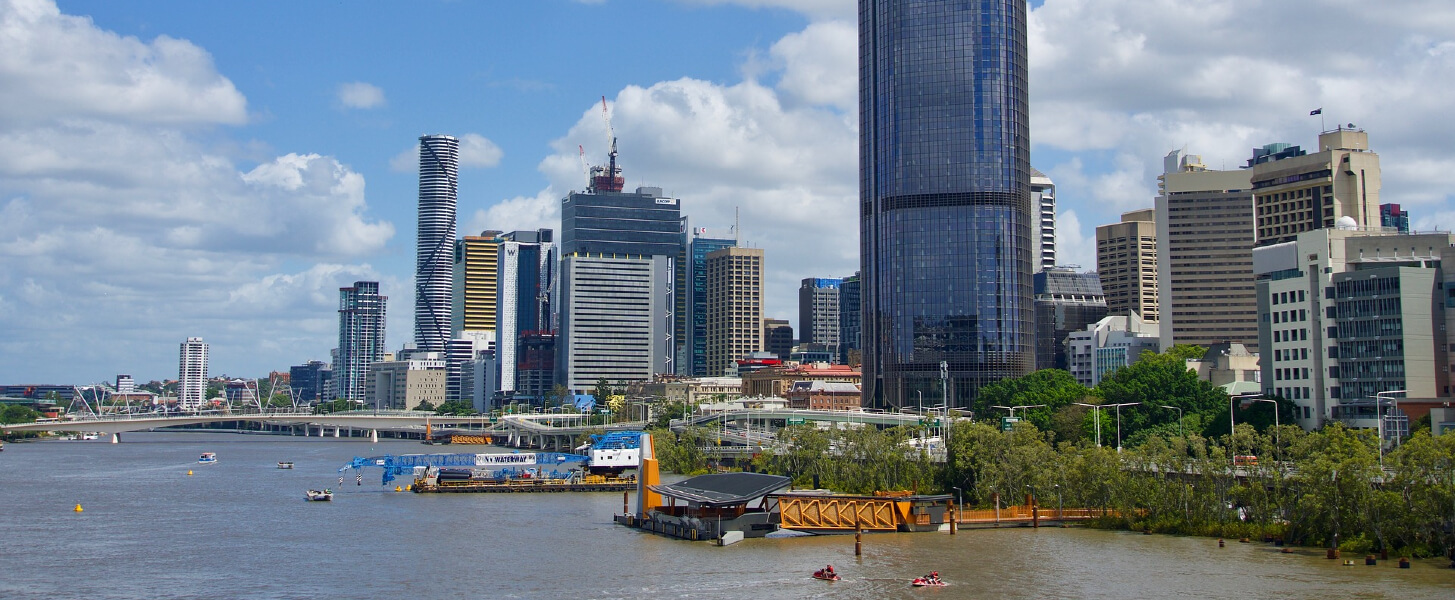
946, 230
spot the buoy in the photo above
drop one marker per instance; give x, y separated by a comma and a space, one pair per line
1220, 542
398, 489
1404, 562
78, 508
408, 487
1370, 561
1348, 563
189, 472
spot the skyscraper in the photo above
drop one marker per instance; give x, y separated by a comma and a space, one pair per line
1295, 191
1390, 216
439, 165
1043, 195
818, 313
700, 241
850, 323
1126, 262
618, 284
735, 295
1205, 231
526, 346
192, 375
360, 337
476, 275
946, 227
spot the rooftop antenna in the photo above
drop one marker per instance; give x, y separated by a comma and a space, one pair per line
737, 233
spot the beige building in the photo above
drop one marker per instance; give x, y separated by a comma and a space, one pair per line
404, 384
1205, 236
1227, 363
692, 391
1296, 191
776, 381
735, 295
1126, 262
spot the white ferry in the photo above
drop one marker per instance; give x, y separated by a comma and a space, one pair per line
207, 458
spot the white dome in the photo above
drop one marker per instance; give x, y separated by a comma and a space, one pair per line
1346, 222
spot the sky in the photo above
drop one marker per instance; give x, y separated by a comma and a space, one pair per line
174, 169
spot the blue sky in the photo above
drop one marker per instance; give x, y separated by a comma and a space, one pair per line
175, 169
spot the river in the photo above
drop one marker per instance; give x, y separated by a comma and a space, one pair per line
241, 529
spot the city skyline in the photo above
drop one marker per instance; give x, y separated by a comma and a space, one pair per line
229, 188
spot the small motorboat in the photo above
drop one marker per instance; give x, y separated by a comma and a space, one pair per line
317, 496
207, 458
285, 465
821, 574
932, 580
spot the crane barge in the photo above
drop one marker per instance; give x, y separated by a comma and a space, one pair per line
610, 467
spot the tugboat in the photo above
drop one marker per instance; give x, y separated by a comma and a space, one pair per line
207, 458
317, 496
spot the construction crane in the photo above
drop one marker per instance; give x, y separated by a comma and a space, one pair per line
608, 178
404, 464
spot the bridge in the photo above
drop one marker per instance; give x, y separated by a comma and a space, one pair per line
743, 432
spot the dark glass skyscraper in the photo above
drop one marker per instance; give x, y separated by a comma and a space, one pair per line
945, 205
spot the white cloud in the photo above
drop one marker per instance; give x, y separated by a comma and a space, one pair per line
1073, 245
814, 62
358, 94
476, 151
123, 232
53, 64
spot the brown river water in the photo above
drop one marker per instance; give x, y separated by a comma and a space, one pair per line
240, 529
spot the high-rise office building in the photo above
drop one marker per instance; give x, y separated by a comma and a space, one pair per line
476, 276
850, 324
309, 381
1043, 195
1295, 191
692, 295
1205, 237
614, 320
526, 347
192, 375
618, 284
361, 313
1126, 262
947, 225
818, 313
778, 338
1391, 217
1345, 314
735, 294
125, 385
1066, 301
439, 166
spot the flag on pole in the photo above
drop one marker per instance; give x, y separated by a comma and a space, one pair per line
1316, 111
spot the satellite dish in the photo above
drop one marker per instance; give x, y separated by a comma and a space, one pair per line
1346, 222
1351, 126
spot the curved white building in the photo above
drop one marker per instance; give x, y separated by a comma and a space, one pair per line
439, 166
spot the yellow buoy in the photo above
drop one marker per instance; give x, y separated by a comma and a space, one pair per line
408, 487
189, 472
396, 488
78, 508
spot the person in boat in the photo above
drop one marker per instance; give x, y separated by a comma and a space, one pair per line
934, 577
829, 571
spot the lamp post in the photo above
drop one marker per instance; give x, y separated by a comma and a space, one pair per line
1179, 418
1379, 412
1096, 417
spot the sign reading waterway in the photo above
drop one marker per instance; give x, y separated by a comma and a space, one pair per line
241, 529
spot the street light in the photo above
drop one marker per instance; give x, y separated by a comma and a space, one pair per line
1119, 422
1095, 417
1179, 418
1275, 422
1379, 416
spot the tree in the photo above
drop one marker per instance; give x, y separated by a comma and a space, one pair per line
1184, 352
424, 405
1159, 380
455, 407
1054, 388
15, 413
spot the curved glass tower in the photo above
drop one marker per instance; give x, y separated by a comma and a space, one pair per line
945, 205
439, 166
